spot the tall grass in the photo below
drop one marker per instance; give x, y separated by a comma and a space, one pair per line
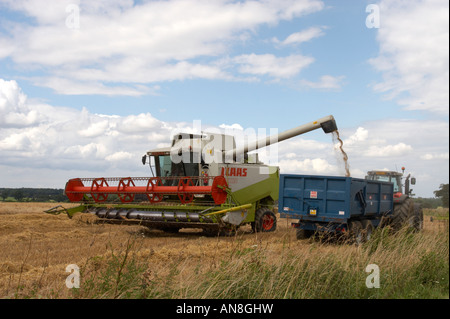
412, 265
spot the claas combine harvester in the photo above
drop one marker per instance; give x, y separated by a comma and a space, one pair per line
202, 181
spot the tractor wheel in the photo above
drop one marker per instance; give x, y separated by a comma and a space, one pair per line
403, 215
265, 221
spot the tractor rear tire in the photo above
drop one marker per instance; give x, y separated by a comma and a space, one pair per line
403, 215
265, 221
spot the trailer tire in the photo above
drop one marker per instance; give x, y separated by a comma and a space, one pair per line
303, 233
265, 221
367, 229
403, 215
356, 232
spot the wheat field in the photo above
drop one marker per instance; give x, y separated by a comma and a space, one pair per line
134, 262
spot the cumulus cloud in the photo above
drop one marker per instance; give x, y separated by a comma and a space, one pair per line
14, 111
147, 42
414, 54
400, 149
360, 135
70, 143
66, 135
269, 64
309, 166
429, 157
326, 82
302, 36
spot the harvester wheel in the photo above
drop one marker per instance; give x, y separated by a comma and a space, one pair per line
225, 231
403, 215
228, 231
210, 232
265, 221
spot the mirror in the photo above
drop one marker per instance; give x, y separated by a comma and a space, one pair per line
413, 181
144, 159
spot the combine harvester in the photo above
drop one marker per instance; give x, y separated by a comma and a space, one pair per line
201, 181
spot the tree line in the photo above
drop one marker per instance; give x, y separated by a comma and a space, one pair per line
32, 195
57, 195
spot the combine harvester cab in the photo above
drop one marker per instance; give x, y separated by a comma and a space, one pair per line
202, 181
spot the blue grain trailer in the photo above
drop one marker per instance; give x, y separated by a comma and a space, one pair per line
335, 204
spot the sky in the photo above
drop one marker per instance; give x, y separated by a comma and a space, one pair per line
88, 87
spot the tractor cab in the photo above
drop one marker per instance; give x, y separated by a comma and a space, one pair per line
396, 178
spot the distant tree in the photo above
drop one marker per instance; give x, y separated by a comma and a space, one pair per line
428, 202
5, 193
442, 193
18, 194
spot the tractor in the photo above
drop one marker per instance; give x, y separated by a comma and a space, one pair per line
406, 212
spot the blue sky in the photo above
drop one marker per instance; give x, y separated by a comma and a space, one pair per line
90, 97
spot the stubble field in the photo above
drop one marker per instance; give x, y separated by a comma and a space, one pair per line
134, 262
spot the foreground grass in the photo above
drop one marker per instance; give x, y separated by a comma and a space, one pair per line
412, 265
133, 262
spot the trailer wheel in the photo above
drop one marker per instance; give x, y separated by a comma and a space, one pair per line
367, 229
304, 234
356, 232
265, 221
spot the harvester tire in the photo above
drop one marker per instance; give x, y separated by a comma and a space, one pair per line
265, 221
222, 231
228, 231
403, 215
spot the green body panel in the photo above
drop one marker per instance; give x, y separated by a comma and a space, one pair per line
264, 192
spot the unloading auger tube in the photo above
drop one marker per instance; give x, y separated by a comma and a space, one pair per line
327, 123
